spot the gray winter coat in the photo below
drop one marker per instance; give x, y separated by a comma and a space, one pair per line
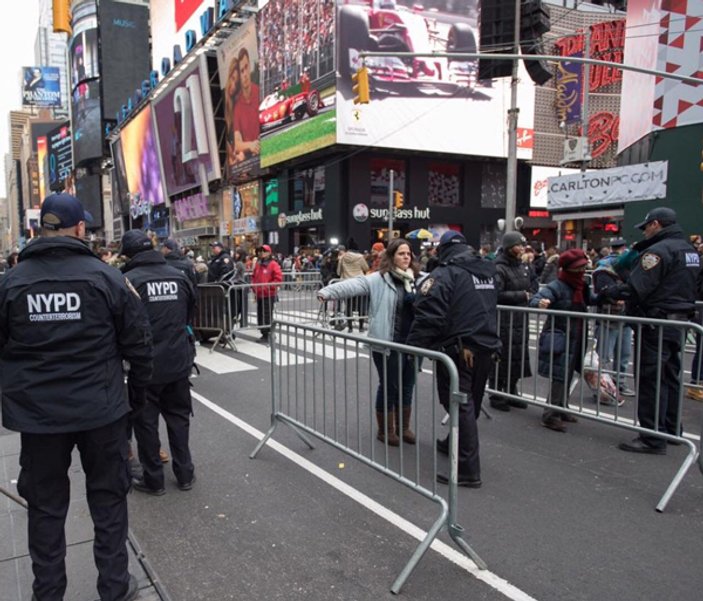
383, 295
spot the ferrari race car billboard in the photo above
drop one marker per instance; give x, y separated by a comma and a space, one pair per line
297, 85
419, 103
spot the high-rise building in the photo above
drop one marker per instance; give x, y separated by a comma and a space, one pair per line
50, 51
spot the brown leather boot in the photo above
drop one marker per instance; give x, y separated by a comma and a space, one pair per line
408, 434
393, 440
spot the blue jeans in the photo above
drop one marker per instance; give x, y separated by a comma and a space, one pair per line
613, 344
397, 377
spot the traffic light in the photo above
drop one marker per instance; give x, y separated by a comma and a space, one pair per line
62, 16
398, 199
360, 87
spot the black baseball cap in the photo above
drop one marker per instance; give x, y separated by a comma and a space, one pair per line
217, 243
62, 210
171, 244
135, 241
452, 237
618, 242
663, 215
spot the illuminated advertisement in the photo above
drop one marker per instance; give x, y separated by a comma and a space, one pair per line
120, 195
83, 49
41, 86
432, 104
41, 162
297, 85
141, 163
245, 201
60, 156
86, 122
186, 131
667, 37
124, 51
238, 66
170, 19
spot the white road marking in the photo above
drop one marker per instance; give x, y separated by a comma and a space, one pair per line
450, 553
221, 363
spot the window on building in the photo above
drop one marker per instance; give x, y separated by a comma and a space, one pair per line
380, 180
443, 185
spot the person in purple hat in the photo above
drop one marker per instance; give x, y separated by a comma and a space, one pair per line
69, 321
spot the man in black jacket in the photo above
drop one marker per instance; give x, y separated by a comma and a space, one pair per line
662, 285
516, 282
455, 312
174, 257
69, 320
169, 299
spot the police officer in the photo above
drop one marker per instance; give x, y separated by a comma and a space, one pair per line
175, 258
662, 285
69, 320
169, 299
221, 263
455, 312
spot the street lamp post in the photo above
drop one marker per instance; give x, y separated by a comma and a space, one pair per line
511, 175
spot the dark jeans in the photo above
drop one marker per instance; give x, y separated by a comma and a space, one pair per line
360, 305
668, 402
394, 380
173, 402
44, 483
472, 381
264, 311
238, 299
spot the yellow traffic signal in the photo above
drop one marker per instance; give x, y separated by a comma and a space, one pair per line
398, 199
360, 87
62, 16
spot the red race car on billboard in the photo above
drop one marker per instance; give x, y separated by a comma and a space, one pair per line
382, 25
279, 108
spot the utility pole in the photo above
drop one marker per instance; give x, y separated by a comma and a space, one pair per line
584, 106
511, 175
390, 206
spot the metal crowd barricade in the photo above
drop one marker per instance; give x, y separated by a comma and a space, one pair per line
339, 314
213, 314
594, 394
324, 385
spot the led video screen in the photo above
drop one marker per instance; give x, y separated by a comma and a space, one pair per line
86, 122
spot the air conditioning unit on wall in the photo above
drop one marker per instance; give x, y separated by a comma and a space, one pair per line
576, 150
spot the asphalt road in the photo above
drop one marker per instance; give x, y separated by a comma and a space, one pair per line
560, 516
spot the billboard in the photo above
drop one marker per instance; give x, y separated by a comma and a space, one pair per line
120, 194
431, 104
89, 192
170, 19
124, 52
83, 50
86, 122
141, 163
661, 36
41, 165
238, 67
297, 112
41, 86
186, 131
60, 156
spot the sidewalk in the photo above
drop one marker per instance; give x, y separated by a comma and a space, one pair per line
15, 564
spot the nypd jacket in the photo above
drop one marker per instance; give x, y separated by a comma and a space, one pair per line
663, 282
67, 320
169, 298
457, 303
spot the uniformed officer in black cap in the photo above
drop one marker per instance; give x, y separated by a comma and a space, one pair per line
169, 299
221, 263
455, 312
69, 320
662, 285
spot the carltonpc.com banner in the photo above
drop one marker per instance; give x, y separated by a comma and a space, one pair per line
431, 104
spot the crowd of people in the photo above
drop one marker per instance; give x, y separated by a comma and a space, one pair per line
70, 314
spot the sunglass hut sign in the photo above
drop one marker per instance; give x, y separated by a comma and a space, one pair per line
414, 213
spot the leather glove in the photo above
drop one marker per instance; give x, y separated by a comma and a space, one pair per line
136, 396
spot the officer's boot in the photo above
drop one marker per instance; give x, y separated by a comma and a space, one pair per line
393, 440
408, 434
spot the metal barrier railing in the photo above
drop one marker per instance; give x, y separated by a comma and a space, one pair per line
322, 386
225, 308
544, 333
